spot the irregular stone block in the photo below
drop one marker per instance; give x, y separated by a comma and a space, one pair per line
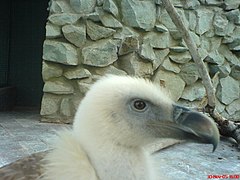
214, 2
204, 20
235, 73
147, 52
234, 16
83, 6
64, 18
58, 7
161, 28
194, 92
100, 54
96, 32
107, 19
189, 73
192, 20
193, 4
83, 86
172, 82
77, 73
223, 70
160, 56
228, 90
215, 58
231, 4
60, 52
51, 71
181, 58
66, 107
157, 40
50, 104
92, 16
75, 34
134, 65
111, 7
229, 55
178, 49
165, 19
169, 66
109, 70
139, 14
125, 32
233, 107
59, 86
53, 31
129, 44
220, 24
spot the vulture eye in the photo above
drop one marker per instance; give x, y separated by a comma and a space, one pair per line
139, 105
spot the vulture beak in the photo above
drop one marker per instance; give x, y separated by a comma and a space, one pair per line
196, 126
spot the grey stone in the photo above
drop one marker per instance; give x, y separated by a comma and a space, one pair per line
192, 19
83, 6
165, 19
129, 44
204, 20
58, 7
66, 107
193, 4
147, 52
170, 66
219, 106
83, 86
231, 4
97, 32
92, 16
235, 73
157, 40
139, 14
64, 18
161, 28
228, 90
232, 58
107, 19
178, 49
214, 2
194, 92
60, 52
234, 16
111, 7
100, 2
134, 65
53, 31
59, 86
172, 82
75, 34
189, 73
100, 54
233, 107
50, 104
235, 44
109, 70
160, 56
51, 71
77, 73
125, 32
220, 24
215, 58
180, 58
222, 70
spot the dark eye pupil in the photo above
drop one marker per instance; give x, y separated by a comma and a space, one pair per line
140, 105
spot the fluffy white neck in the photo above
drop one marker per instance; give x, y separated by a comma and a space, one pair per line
118, 162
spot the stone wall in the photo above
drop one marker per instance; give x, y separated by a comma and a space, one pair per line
86, 39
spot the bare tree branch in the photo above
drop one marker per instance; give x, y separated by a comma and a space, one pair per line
226, 127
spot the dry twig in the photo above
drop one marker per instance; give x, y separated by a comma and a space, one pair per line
227, 128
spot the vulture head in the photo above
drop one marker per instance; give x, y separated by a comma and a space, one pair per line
133, 112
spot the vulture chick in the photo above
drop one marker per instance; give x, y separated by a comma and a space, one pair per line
116, 120
118, 117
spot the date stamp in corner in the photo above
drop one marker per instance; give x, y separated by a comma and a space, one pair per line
224, 176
